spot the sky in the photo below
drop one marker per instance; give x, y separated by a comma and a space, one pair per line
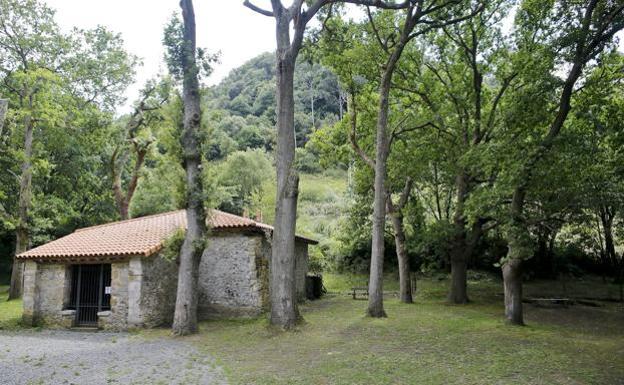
222, 25
226, 25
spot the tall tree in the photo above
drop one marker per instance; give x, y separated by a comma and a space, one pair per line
284, 312
420, 18
463, 82
40, 67
394, 209
580, 32
184, 59
145, 115
28, 41
386, 36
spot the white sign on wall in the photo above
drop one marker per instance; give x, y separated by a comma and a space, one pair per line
107, 290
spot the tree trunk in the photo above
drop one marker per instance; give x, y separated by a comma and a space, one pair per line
185, 317
382, 149
284, 312
4, 104
405, 283
607, 225
375, 283
458, 293
22, 241
512, 278
518, 249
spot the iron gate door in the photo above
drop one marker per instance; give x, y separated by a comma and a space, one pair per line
89, 292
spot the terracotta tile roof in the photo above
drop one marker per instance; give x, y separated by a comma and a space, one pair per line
137, 236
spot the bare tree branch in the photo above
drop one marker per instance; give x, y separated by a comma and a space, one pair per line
382, 44
255, 8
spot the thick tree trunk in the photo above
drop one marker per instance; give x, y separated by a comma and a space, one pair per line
512, 278
459, 293
405, 283
185, 317
22, 241
284, 312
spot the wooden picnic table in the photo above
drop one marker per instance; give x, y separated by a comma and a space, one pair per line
359, 290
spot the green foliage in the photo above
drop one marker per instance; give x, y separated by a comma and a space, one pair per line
242, 106
10, 311
240, 178
67, 84
172, 246
173, 40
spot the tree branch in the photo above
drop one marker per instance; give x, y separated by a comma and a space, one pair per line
353, 134
383, 45
404, 197
255, 8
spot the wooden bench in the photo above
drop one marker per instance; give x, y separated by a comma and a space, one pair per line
545, 302
363, 291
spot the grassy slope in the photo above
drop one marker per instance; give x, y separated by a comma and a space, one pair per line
320, 198
10, 311
426, 343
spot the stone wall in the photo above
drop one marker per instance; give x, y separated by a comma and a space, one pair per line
117, 319
301, 269
231, 285
46, 293
29, 295
158, 291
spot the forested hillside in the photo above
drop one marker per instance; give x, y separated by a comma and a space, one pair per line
241, 109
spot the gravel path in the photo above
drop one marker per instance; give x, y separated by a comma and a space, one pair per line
93, 358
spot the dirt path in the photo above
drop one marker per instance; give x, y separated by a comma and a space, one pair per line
93, 358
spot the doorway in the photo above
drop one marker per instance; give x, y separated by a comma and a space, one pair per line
90, 292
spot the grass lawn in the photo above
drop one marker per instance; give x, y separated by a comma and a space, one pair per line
429, 342
10, 311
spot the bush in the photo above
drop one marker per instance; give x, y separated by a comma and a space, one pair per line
432, 246
240, 179
307, 161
